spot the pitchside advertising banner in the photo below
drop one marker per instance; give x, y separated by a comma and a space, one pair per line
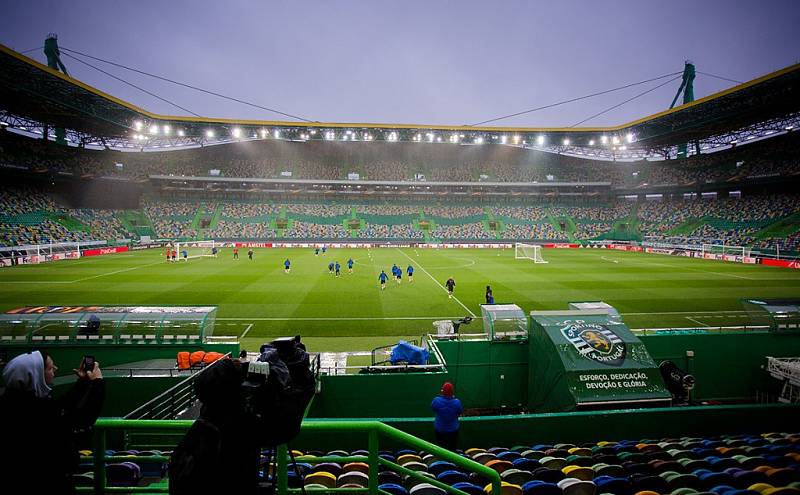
582, 361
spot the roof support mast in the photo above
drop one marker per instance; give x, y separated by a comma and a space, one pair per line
687, 86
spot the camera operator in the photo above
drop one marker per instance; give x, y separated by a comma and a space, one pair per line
219, 453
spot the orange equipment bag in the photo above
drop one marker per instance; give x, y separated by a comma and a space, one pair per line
183, 361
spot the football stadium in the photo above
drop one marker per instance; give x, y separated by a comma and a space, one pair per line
616, 308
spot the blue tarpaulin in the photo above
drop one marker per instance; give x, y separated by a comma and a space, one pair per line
404, 352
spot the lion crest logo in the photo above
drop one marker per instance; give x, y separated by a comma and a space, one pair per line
596, 342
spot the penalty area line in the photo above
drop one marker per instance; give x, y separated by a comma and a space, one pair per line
436, 282
244, 334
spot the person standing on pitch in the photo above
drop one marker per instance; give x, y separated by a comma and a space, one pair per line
410, 271
250, 254
447, 409
450, 284
287, 266
350, 266
236, 253
330, 267
382, 279
338, 267
489, 295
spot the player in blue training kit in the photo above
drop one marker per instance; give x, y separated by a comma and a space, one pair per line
382, 278
398, 274
323, 250
338, 266
287, 265
316, 251
330, 267
410, 271
350, 265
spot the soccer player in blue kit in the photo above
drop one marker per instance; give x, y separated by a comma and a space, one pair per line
287, 265
338, 266
382, 278
350, 265
410, 271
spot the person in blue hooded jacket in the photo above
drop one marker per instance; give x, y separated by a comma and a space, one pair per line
447, 409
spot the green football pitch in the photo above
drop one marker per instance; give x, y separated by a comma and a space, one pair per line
257, 300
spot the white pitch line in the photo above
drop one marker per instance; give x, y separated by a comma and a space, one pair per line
354, 318
116, 271
244, 334
681, 313
698, 322
437, 282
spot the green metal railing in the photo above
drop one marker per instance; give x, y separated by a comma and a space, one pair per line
375, 432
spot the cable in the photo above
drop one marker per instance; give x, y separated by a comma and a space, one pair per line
31, 50
189, 86
626, 101
133, 85
575, 99
720, 77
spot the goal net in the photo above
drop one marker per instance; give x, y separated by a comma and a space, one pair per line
531, 252
195, 249
725, 250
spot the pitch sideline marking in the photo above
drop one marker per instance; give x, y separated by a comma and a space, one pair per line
362, 318
684, 312
436, 282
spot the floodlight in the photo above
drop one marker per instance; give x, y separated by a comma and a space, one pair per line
180, 132
540, 140
603, 139
516, 139
137, 125
439, 139
566, 142
236, 132
629, 137
313, 131
431, 137
623, 147
591, 142
276, 133
209, 133
166, 129
615, 139
263, 133
503, 139
153, 129
478, 140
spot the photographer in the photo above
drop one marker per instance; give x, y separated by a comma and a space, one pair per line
245, 406
219, 452
34, 424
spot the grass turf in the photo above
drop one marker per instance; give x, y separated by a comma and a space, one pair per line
352, 313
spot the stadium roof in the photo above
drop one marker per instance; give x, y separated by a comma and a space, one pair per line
35, 94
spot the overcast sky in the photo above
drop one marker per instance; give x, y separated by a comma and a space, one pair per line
426, 62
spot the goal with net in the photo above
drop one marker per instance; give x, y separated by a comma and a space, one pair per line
725, 250
196, 249
531, 252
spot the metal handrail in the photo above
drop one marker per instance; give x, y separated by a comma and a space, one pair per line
375, 431
179, 389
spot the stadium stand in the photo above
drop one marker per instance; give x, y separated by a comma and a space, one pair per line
763, 464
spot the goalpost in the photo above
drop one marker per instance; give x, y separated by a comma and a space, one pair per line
196, 249
725, 250
531, 252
